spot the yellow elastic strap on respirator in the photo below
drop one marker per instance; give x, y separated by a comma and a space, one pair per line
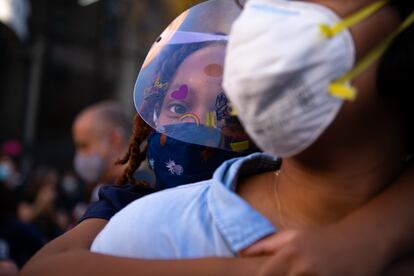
341, 87
346, 23
210, 119
233, 110
240, 146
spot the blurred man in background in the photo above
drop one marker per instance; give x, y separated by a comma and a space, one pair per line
101, 134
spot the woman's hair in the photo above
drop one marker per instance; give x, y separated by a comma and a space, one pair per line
395, 75
404, 7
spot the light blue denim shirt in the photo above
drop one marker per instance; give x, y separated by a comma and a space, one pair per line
196, 220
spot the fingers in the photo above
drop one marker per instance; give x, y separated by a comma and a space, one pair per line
269, 245
277, 265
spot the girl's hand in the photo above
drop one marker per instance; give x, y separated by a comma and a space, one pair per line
327, 250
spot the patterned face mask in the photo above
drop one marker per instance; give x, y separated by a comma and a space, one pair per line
176, 163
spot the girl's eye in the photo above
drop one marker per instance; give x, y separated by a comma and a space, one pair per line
177, 108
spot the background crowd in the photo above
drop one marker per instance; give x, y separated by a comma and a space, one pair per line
56, 59
59, 145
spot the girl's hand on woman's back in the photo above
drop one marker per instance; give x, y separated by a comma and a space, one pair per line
322, 251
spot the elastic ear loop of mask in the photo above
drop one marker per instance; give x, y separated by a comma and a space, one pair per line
341, 87
331, 31
211, 120
338, 88
240, 146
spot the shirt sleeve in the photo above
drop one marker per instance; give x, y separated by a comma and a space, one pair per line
112, 199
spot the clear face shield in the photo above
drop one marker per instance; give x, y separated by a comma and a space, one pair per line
179, 88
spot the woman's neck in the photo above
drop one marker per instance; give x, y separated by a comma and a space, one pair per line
321, 190
326, 182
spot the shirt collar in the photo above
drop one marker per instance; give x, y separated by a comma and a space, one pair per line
237, 221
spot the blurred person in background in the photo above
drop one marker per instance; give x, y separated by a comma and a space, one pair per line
9, 173
18, 240
101, 134
7, 267
39, 206
72, 196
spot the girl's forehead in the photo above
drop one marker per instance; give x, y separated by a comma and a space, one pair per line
207, 55
209, 62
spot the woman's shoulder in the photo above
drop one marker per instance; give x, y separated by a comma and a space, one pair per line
154, 220
163, 218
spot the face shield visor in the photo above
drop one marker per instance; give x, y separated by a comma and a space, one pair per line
179, 88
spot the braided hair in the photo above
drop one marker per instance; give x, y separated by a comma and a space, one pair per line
135, 155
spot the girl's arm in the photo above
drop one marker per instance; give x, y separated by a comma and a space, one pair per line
80, 237
364, 242
83, 262
69, 255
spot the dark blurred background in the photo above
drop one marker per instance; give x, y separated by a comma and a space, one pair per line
56, 58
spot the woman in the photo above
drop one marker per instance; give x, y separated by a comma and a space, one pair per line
255, 189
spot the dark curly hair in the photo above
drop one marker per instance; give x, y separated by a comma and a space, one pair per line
404, 7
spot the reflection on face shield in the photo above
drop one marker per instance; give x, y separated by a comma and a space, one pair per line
195, 89
180, 81
186, 87
192, 133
